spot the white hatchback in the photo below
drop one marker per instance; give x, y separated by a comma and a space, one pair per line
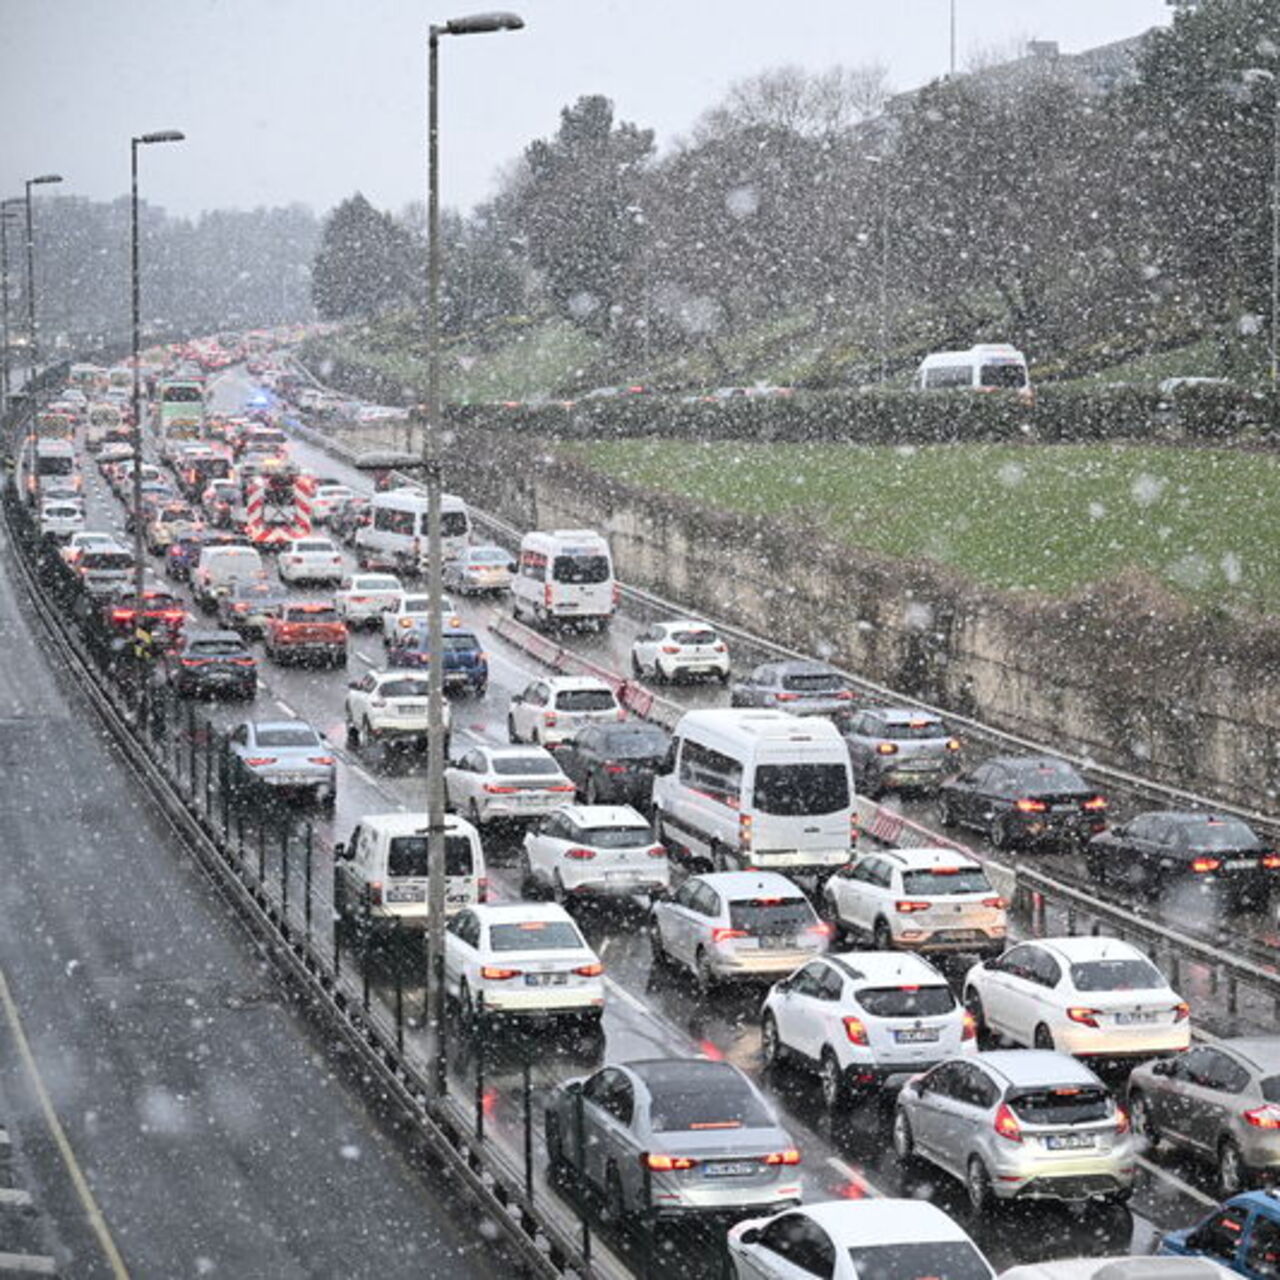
553, 709
668, 651
309, 559
522, 960
60, 518
495, 783
389, 706
363, 598
1085, 996
412, 609
863, 1016
605, 849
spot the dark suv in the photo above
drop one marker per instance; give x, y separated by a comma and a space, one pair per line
213, 663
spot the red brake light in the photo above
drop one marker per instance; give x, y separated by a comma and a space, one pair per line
590, 970
496, 974
495, 790
789, 1156
996, 904
1122, 1120
723, 935
970, 1027
665, 1164
657, 851
1271, 861
906, 907
786, 697
615, 768
1085, 1017
844, 695
1205, 864
255, 761
580, 855
670, 648
1030, 806
319, 759
887, 748
1181, 1011
1006, 1124
1267, 1117
1095, 804
856, 1030
953, 744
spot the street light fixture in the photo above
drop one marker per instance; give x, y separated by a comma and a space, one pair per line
8, 214
139, 575
1251, 75
476, 24
32, 357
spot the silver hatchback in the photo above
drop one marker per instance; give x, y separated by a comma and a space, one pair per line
1018, 1124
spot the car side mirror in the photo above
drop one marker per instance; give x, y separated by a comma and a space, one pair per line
1162, 1068
750, 1236
342, 851
353, 684
573, 1088
1119, 831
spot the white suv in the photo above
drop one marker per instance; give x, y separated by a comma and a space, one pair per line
861, 1017
553, 709
669, 650
605, 849
919, 900
390, 706
309, 559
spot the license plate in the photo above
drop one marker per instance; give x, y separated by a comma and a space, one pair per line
730, 1169
1069, 1141
1133, 1019
406, 893
916, 1035
546, 979
292, 779
1241, 864
411, 708
778, 942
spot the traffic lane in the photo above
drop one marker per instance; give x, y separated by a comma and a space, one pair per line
214, 1134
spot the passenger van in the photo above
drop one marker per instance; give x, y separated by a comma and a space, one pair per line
397, 534
987, 367
565, 575
380, 874
757, 788
220, 566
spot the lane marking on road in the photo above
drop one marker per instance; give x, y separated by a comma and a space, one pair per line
364, 657
1185, 1187
286, 708
856, 1179
97, 1222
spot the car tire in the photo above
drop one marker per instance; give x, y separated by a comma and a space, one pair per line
467, 1013
904, 1141
635, 667
723, 677
1000, 835
592, 791
1043, 1038
1233, 1174
1141, 1119
530, 889
353, 737
704, 975
559, 895
977, 1185
657, 952
473, 814
973, 1006
834, 1082
771, 1047
881, 936
512, 735
946, 812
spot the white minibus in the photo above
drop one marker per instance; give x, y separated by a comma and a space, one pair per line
397, 533
565, 575
987, 367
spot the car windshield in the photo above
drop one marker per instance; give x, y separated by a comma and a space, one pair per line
801, 790
585, 700
1067, 1104
407, 855
909, 1260
616, 837
535, 935
725, 1103
694, 637
907, 1001
1221, 833
813, 682
288, 735
771, 915
911, 730
220, 649
403, 689
635, 746
580, 569
512, 766
1116, 975
937, 880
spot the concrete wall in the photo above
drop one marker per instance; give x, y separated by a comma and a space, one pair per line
1124, 674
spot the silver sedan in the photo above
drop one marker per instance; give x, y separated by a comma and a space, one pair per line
287, 756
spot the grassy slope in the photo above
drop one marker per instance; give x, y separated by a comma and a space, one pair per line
1034, 518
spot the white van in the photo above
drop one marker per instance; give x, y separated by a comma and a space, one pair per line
104, 418
397, 534
565, 575
219, 567
757, 788
994, 366
380, 874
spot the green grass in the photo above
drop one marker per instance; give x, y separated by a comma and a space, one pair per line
1050, 518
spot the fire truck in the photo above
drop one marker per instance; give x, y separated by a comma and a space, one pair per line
277, 506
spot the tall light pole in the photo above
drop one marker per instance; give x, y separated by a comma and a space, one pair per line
135, 281
8, 215
474, 25
1251, 75
32, 354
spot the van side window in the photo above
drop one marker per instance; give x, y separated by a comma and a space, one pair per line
533, 564
716, 775
389, 521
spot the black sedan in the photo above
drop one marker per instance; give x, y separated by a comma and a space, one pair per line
1212, 849
804, 688
1023, 800
214, 663
614, 763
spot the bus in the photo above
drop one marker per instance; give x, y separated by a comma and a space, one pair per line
179, 409
994, 366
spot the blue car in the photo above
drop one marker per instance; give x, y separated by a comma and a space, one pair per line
1242, 1234
466, 665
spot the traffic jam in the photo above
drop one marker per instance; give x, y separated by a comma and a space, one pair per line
752, 1026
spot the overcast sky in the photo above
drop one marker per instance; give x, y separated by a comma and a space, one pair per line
309, 100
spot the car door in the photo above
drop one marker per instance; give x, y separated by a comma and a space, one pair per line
1210, 1095
796, 1008
704, 917
608, 1110
672, 917
461, 947
547, 843
969, 1112
967, 795
460, 779
1034, 998
928, 1116
757, 689
645, 647
1000, 985
791, 1247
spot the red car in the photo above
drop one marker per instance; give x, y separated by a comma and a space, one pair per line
311, 631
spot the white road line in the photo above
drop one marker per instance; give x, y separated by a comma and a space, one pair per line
847, 1171
286, 708
1185, 1187
636, 1003
364, 657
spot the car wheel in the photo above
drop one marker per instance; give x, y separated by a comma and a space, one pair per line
770, 1045
466, 1008
904, 1142
946, 811
657, 952
882, 936
353, 736
1000, 834
704, 974
635, 667
835, 1087
1096, 865
529, 886
1233, 1173
1143, 1123
559, 895
1043, 1038
723, 676
977, 1183
973, 1005
593, 791
473, 814
512, 735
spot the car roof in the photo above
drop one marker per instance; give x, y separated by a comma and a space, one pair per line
505, 751
880, 968
1031, 1068
803, 666
882, 1221
660, 1074
194, 637
563, 684
406, 824
1263, 1052
926, 857
1075, 950
1191, 817
260, 725
743, 883
520, 912
604, 815
1030, 762
676, 624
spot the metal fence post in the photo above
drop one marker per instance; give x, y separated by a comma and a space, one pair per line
397, 943
191, 754
284, 878
306, 906
225, 790
527, 1091
262, 852
208, 768
366, 932
478, 1044
580, 1155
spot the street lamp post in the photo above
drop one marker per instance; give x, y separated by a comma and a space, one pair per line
7, 215
135, 281
431, 463
1249, 76
32, 355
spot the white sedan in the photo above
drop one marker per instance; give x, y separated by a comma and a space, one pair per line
1085, 996
326, 497
605, 849
412, 609
521, 960
310, 559
668, 651
488, 783
363, 598
88, 540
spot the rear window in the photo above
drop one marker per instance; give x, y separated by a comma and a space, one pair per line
636, 746
407, 856
1002, 375
494, 556
1221, 833
313, 546
694, 637
813, 682
294, 735
1116, 975
913, 730
1066, 1105
535, 935
1049, 775
581, 569
1271, 1088
800, 790
585, 700
379, 582
760, 916
935, 1260
726, 1104
510, 766
907, 1001
106, 560
310, 613
403, 689
617, 837
222, 649
946, 880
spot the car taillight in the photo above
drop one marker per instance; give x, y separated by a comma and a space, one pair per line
744, 832
357, 599
617, 595
193, 662
953, 744
1084, 1016
562, 787
996, 904
1031, 806
1205, 865
666, 1164
1267, 1117
789, 1156
482, 889
657, 851
615, 768
785, 697
1006, 1124
375, 893
969, 1027
1095, 804
887, 748
854, 833
255, 761
821, 930
1181, 1011
240, 608
494, 789
906, 906
589, 970
1122, 1120
856, 1030
580, 855
844, 695
546, 594
670, 648
495, 974
549, 718
319, 759
1271, 861
121, 615
724, 935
